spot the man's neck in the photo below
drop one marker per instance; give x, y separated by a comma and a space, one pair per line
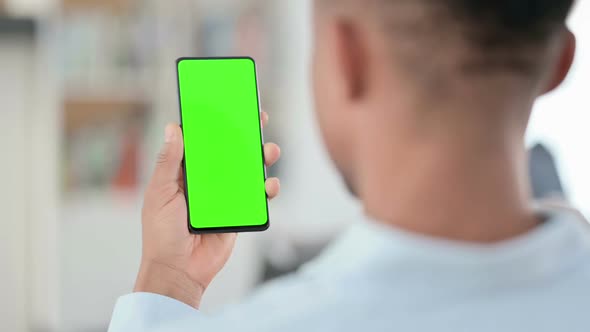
460, 185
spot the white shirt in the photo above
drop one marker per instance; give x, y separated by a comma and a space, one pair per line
379, 279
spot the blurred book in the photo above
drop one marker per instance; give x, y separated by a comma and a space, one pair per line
103, 145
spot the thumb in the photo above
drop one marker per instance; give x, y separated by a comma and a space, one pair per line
170, 157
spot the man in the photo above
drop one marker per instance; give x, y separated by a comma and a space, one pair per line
423, 106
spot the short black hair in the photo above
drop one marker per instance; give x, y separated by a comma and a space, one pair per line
499, 35
508, 23
495, 36
506, 35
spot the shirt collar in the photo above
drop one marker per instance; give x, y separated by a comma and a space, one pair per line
370, 247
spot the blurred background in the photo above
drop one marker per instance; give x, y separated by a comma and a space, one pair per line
86, 87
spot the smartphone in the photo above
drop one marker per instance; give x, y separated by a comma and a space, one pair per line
224, 165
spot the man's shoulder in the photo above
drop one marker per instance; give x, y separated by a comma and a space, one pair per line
293, 303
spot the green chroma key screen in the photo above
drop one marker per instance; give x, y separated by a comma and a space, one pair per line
224, 162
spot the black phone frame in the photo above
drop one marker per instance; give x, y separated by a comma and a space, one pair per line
221, 230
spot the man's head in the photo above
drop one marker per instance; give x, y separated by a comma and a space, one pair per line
410, 63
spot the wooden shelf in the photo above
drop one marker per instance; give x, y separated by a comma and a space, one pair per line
80, 112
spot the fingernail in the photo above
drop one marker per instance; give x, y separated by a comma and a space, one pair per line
169, 135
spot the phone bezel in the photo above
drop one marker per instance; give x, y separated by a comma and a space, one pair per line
219, 230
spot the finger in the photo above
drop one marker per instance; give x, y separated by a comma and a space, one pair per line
272, 153
170, 157
180, 180
228, 238
273, 187
264, 119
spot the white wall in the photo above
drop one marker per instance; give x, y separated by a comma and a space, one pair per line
15, 82
314, 200
44, 193
562, 119
29, 193
30, 7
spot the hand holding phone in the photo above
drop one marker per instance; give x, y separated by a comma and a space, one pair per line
174, 262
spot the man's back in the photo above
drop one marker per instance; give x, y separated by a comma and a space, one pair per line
378, 279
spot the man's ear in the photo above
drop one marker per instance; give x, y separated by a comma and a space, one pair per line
566, 60
352, 54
